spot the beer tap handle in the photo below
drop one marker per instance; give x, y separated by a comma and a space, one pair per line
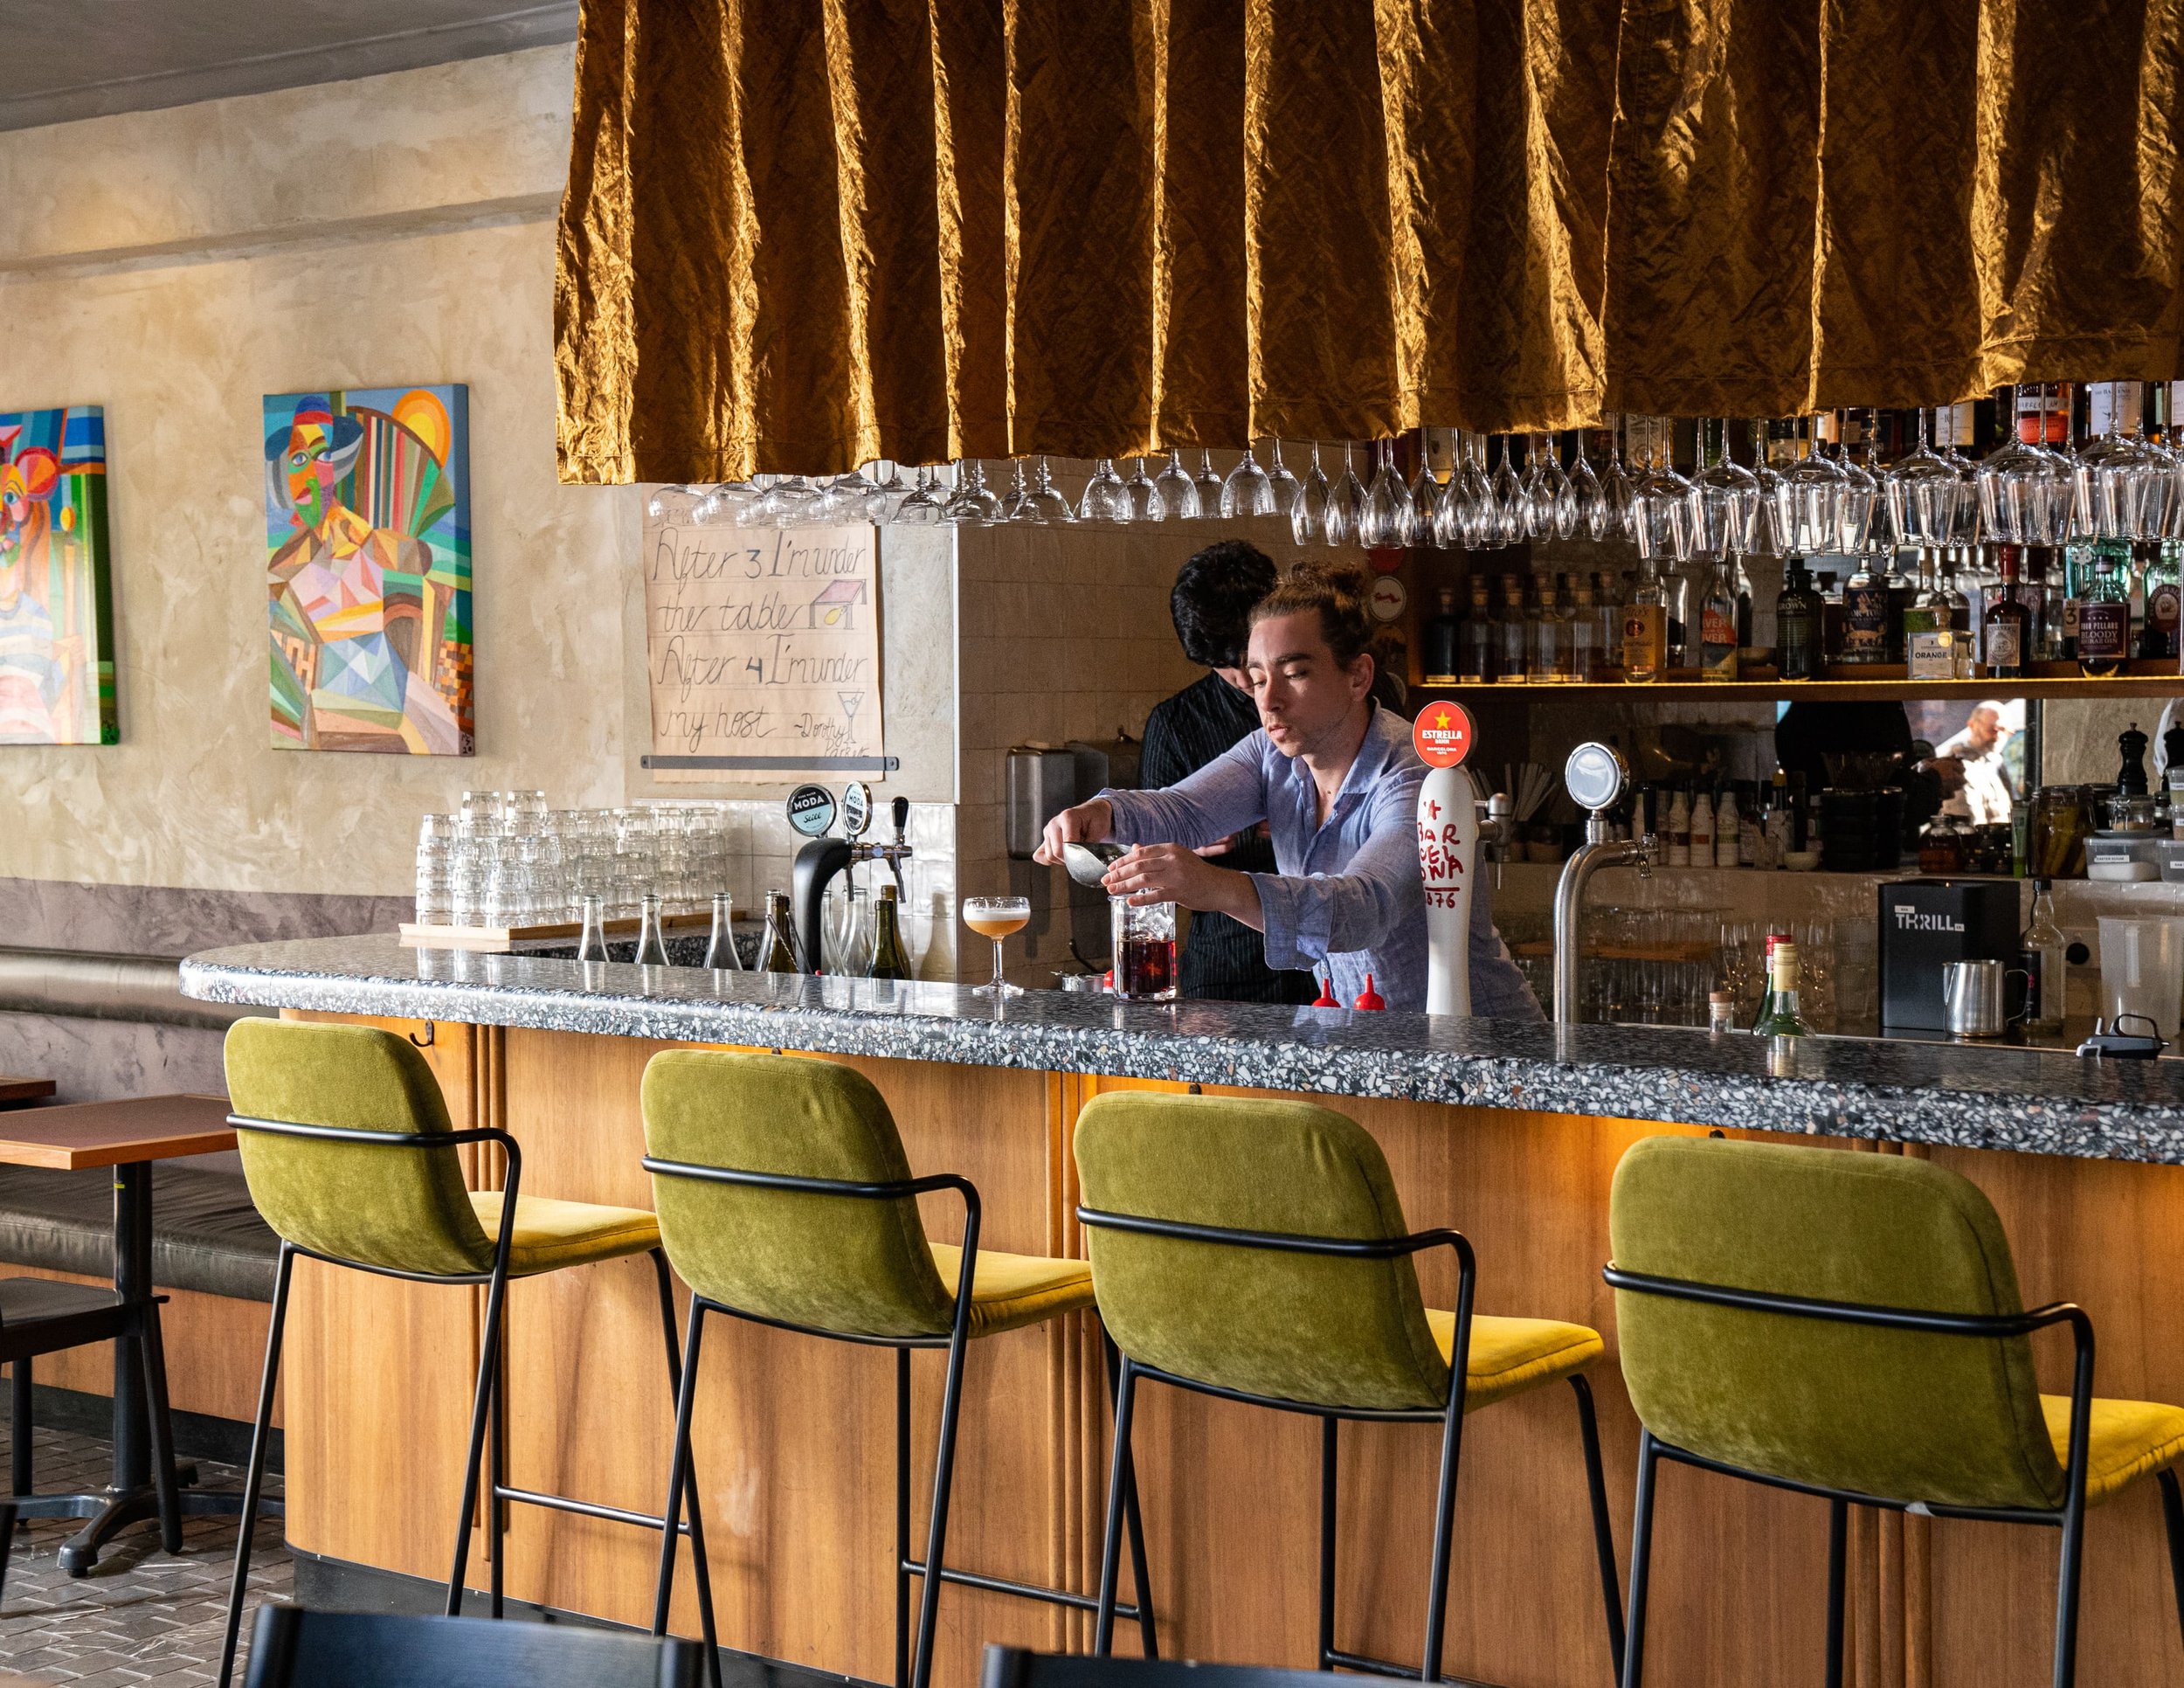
900, 810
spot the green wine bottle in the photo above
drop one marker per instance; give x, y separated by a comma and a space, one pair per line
889, 959
778, 946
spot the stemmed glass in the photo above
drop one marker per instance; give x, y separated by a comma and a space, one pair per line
973, 502
1766, 535
925, 506
1446, 513
660, 505
997, 917
1925, 494
1809, 506
1178, 493
2021, 487
1249, 490
2122, 480
846, 498
1382, 518
1508, 497
1308, 517
1145, 502
1106, 496
1424, 498
887, 495
1345, 504
783, 504
1728, 504
1013, 499
1283, 485
1619, 486
1666, 503
1475, 519
1854, 510
724, 505
1592, 499
1209, 485
1042, 505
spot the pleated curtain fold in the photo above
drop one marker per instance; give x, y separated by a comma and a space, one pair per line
798, 236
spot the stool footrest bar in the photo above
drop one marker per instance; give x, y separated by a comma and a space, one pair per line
1382, 1667
1023, 1590
584, 1508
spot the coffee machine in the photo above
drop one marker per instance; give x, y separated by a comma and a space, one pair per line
1925, 924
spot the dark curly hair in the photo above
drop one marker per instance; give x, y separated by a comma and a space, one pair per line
1213, 600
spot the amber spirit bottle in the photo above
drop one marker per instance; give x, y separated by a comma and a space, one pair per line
1646, 628
2007, 633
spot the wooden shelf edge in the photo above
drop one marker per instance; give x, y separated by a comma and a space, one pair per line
1840, 686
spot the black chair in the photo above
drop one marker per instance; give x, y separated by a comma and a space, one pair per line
1013, 1667
294, 1648
42, 1315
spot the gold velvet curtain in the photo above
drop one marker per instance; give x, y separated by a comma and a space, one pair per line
802, 234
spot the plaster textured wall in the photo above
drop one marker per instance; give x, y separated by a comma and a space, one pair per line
175, 266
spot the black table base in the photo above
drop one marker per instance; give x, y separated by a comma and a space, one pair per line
111, 1510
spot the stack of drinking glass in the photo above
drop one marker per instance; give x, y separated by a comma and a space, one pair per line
507, 861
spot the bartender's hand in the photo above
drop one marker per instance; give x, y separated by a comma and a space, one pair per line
1169, 872
1088, 823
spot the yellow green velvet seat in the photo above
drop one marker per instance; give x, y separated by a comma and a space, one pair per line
1245, 1289
313, 1104
785, 1197
1864, 1406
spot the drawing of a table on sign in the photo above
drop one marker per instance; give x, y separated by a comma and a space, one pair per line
762, 647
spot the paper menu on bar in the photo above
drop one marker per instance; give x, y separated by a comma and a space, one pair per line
762, 647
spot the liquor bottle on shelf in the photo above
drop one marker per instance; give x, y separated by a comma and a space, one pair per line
2158, 634
1751, 648
1550, 655
1718, 643
1583, 630
1775, 823
1865, 618
1827, 584
1608, 612
2007, 633
1474, 662
1513, 664
1926, 620
1442, 635
1728, 830
1680, 830
1646, 628
889, 960
1798, 623
2041, 593
1702, 830
2104, 616
1780, 1017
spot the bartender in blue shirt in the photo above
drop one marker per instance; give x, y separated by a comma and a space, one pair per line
1333, 774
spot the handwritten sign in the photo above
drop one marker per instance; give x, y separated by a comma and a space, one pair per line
763, 648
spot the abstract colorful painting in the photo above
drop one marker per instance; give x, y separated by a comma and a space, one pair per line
56, 605
368, 522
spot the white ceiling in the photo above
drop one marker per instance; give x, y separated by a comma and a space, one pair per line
64, 59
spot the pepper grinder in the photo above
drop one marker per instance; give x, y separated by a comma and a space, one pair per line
2131, 779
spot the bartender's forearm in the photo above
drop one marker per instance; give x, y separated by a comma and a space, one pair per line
1236, 895
1169, 872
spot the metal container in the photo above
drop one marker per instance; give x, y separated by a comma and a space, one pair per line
1043, 782
1971, 995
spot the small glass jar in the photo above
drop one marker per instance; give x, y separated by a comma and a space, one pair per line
1144, 950
2060, 824
2132, 814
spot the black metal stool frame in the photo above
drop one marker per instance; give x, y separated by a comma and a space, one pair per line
1449, 1416
488, 1403
909, 1672
2070, 1517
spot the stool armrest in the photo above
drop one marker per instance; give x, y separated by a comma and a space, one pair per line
503, 1243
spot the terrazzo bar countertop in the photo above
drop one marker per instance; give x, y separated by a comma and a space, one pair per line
1966, 1095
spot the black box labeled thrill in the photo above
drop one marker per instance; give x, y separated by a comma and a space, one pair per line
1926, 923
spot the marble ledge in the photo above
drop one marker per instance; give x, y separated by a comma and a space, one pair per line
1968, 1096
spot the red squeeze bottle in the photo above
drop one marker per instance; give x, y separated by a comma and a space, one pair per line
1369, 998
1326, 997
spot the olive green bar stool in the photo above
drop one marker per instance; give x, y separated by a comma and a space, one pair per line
785, 1200
1847, 1325
351, 1159
1256, 1251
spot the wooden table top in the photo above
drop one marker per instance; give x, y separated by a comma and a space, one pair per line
114, 1133
14, 1088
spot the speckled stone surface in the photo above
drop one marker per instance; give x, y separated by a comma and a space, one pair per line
1969, 1097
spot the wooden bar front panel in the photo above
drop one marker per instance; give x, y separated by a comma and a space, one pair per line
795, 1456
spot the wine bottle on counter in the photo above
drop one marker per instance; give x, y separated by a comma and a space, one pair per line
889, 960
778, 948
1780, 1018
652, 945
719, 943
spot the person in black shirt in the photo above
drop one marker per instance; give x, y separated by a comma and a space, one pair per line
1211, 604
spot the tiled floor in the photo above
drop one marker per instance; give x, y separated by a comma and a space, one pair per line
142, 1616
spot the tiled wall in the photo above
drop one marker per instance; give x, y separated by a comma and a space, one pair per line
1063, 636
